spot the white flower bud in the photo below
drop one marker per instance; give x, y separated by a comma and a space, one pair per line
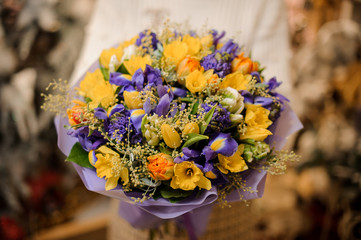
236, 118
232, 100
113, 63
128, 52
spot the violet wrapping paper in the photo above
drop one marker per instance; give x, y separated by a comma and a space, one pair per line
151, 213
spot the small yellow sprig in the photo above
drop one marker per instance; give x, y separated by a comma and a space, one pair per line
59, 98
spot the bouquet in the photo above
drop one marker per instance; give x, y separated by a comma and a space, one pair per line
171, 122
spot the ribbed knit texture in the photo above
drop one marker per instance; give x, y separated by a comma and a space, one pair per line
259, 25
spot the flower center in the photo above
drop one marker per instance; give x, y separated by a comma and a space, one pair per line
189, 172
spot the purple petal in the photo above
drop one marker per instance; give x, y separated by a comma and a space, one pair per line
272, 83
162, 90
174, 110
138, 79
208, 153
163, 106
248, 97
179, 92
208, 167
264, 101
136, 118
256, 74
147, 106
178, 160
190, 153
117, 79
224, 144
100, 113
115, 108
153, 76
230, 47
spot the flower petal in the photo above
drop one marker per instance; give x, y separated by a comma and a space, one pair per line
136, 118
204, 183
118, 79
163, 106
224, 144
115, 108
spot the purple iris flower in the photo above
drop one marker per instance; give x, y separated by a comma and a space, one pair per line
149, 77
88, 143
273, 84
221, 143
197, 157
152, 76
152, 35
117, 124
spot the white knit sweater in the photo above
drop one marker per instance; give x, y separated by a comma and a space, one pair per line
259, 25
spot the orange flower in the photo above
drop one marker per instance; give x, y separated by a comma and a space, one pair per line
244, 65
186, 66
74, 114
161, 166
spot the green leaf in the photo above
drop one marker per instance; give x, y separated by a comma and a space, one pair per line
195, 108
149, 182
105, 73
122, 69
79, 156
207, 118
186, 99
170, 193
193, 138
90, 132
261, 85
249, 141
142, 127
88, 100
164, 149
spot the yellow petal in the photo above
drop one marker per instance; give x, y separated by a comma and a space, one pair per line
111, 183
132, 100
175, 51
124, 175
235, 80
136, 62
258, 134
191, 127
204, 183
170, 136
210, 175
194, 44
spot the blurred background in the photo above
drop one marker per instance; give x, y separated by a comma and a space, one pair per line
41, 196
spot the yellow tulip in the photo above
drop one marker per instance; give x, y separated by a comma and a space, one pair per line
191, 127
170, 136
